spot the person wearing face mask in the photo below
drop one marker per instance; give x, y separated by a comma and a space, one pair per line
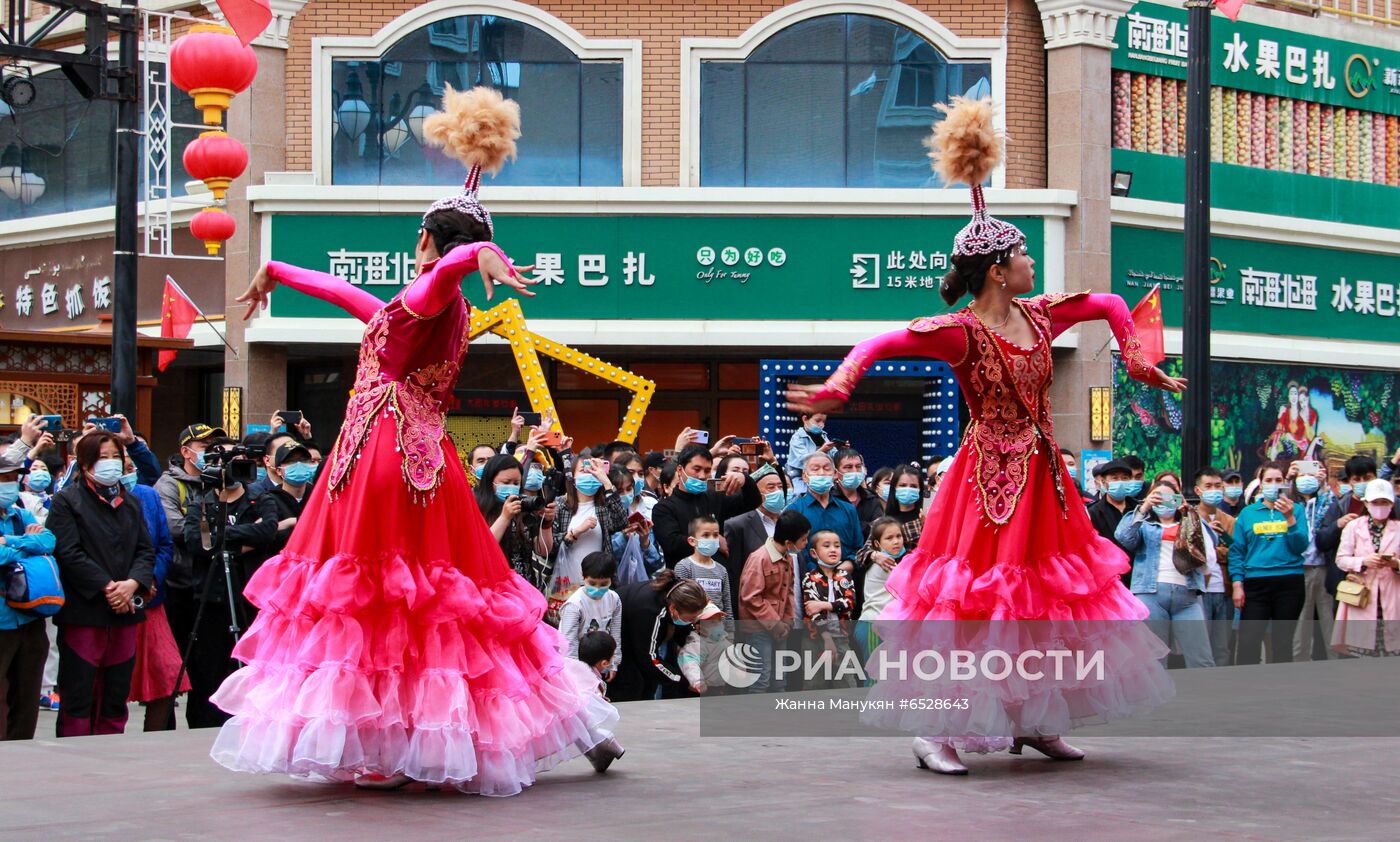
770, 597
751, 530
24, 645
522, 535
700, 656
1234, 494
157, 653
292, 475
1347, 506
593, 607
1370, 554
1316, 618
1216, 602
34, 491
591, 512
1072, 466
477, 458
251, 531
178, 487
638, 532
850, 484
694, 497
107, 565
1115, 479
826, 511
1169, 548
903, 504
702, 567
807, 439
1266, 568
657, 617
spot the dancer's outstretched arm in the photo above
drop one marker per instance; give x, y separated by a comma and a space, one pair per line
338, 291
438, 285
1085, 307
924, 338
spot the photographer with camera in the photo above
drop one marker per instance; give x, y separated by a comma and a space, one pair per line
223, 516
292, 473
178, 487
106, 564
518, 521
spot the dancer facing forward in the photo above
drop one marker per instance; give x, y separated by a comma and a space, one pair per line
1008, 539
400, 645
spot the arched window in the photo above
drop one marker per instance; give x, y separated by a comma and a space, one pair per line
832, 101
571, 110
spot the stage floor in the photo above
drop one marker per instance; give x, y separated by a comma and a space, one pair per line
676, 784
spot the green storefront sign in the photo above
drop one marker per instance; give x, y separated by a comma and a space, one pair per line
1152, 38
661, 267
1274, 288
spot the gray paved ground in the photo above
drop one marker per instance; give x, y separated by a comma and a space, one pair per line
674, 784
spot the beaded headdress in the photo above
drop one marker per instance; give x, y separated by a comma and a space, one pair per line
478, 127
965, 147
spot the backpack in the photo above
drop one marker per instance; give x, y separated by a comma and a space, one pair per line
33, 586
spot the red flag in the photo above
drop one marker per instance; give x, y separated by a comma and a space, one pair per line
177, 314
247, 17
1230, 8
1147, 319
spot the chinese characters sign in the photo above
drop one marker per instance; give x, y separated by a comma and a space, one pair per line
662, 267
1152, 39
1272, 288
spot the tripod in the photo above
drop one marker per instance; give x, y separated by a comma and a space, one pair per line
214, 534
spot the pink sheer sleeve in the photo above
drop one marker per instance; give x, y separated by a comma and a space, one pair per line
946, 341
1070, 310
338, 291
433, 290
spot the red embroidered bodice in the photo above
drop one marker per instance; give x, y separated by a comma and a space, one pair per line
410, 356
1007, 388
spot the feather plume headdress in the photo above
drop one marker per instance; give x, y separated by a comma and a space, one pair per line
965, 148
479, 128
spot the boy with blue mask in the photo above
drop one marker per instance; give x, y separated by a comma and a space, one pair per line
807, 439
593, 607
702, 566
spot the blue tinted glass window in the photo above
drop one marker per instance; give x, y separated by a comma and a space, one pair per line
837, 100
570, 110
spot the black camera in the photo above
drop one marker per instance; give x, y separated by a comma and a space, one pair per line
227, 464
532, 506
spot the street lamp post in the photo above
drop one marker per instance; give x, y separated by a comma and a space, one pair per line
1195, 324
124, 254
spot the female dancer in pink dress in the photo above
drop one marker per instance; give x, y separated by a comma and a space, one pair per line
1008, 559
393, 640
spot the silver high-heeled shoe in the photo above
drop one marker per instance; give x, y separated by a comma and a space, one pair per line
938, 757
1052, 747
603, 754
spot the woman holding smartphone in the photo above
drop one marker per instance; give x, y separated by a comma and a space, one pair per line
591, 513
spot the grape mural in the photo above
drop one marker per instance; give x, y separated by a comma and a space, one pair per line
1263, 412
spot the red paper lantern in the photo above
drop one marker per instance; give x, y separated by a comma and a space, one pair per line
211, 64
213, 226
216, 159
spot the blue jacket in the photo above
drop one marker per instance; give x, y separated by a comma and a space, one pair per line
1264, 546
154, 513
838, 516
19, 545
1143, 538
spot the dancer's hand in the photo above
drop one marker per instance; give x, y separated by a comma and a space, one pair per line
257, 292
803, 400
1239, 595
494, 270
1169, 383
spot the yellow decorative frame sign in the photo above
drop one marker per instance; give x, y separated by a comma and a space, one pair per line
508, 322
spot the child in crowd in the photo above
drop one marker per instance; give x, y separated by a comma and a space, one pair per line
699, 658
599, 650
701, 566
593, 607
828, 598
878, 558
